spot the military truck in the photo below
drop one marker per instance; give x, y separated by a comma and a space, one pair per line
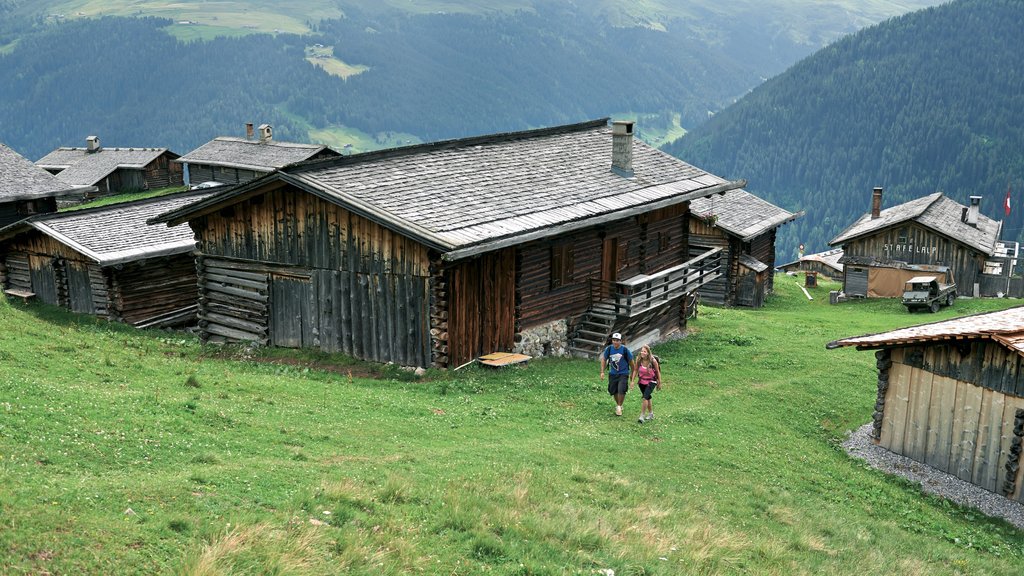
927, 293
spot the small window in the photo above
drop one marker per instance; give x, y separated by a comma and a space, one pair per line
902, 237
663, 242
561, 265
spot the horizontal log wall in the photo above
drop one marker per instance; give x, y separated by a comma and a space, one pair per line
763, 248
140, 291
233, 300
538, 303
949, 407
915, 244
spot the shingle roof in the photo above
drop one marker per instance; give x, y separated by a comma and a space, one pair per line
20, 179
79, 166
753, 263
251, 154
935, 211
477, 194
117, 233
742, 214
1003, 326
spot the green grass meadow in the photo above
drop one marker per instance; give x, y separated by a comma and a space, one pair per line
144, 452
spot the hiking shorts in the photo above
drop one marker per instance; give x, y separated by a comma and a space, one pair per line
648, 389
618, 383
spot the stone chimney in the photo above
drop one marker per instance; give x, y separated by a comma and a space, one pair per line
876, 202
92, 144
248, 131
972, 211
266, 133
622, 148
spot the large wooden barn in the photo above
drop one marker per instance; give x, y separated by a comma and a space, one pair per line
113, 170
934, 234
27, 190
437, 253
744, 227
951, 395
233, 160
105, 261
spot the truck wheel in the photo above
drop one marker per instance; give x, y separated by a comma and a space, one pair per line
950, 299
934, 307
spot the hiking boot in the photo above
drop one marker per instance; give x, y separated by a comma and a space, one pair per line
650, 416
641, 419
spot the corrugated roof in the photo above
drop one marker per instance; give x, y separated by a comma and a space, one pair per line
251, 154
475, 194
20, 179
81, 167
1004, 326
741, 213
117, 233
935, 211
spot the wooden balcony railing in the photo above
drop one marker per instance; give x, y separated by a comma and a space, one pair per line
639, 294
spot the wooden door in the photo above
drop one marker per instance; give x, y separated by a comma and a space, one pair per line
294, 312
79, 288
482, 306
610, 259
44, 278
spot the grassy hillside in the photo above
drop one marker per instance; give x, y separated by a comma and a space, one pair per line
143, 452
926, 102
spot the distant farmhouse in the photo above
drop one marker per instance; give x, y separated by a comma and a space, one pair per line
27, 190
113, 170
237, 160
951, 395
824, 263
535, 242
934, 234
105, 261
744, 226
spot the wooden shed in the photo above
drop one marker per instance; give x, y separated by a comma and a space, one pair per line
238, 160
435, 254
106, 261
113, 170
27, 190
885, 248
951, 395
744, 227
824, 263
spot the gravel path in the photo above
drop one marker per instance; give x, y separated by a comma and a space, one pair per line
859, 445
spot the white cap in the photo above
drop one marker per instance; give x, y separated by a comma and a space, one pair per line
616, 336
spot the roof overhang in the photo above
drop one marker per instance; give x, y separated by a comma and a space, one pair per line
253, 167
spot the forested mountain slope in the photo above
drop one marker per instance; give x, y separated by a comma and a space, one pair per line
427, 74
929, 101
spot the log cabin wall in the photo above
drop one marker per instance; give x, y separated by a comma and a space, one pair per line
763, 248
162, 173
954, 407
199, 173
142, 290
305, 272
915, 244
648, 244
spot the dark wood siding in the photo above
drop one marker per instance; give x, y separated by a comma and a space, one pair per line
482, 306
650, 244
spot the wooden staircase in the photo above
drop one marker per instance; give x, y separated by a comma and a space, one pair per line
619, 306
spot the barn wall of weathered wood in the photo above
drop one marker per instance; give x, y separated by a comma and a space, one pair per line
199, 173
9, 213
763, 248
953, 407
289, 268
143, 290
912, 243
161, 173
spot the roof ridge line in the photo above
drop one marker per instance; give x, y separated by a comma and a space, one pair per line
95, 209
447, 144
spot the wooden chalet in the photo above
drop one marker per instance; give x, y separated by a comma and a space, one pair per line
113, 170
435, 254
933, 234
105, 261
744, 227
951, 395
27, 190
238, 160
823, 263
